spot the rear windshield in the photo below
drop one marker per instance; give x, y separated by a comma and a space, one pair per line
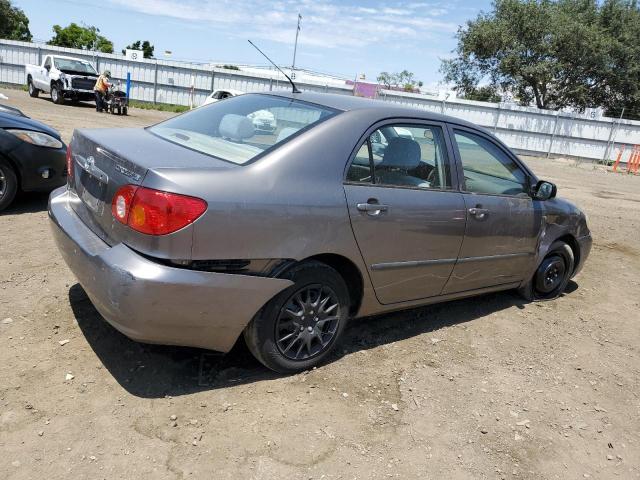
241, 128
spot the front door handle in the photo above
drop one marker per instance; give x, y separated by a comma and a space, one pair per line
373, 209
479, 213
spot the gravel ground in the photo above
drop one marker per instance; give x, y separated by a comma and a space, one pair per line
489, 387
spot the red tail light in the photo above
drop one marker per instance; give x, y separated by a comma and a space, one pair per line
155, 212
69, 163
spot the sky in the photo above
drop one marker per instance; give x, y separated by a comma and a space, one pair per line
345, 37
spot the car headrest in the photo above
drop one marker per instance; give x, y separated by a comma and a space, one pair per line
286, 132
402, 153
236, 127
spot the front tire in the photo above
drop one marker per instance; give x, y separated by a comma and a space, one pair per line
8, 184
56, 95
300, 326
33, 91
552, 275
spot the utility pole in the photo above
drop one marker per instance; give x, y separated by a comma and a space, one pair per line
295, 46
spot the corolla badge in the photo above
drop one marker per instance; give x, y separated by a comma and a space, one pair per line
128, 173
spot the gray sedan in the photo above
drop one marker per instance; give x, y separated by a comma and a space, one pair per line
201, 229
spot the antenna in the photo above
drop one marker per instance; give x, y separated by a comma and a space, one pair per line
293, 85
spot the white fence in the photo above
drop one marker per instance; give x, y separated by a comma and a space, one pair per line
526, 130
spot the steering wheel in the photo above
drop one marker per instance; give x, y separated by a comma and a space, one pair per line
432, 178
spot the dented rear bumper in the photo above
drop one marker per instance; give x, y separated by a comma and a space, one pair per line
154, 303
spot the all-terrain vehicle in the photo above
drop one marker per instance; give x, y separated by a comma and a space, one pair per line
116, 100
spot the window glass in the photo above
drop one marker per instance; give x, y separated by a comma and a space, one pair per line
360, 169
72, 66
410, 156
487, 169
243, 127
47, 62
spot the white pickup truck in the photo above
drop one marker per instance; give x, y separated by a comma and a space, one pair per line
62, 77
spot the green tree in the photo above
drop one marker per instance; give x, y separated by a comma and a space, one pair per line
14, 24
145, 46
387, 79
80, 36
555, 54
485, 93
403, 79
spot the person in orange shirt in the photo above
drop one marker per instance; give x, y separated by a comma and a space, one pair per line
100, 89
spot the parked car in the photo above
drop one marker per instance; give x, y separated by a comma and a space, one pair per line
218, 95
62, 77
263, 121
11, 110
196, 230
32, 156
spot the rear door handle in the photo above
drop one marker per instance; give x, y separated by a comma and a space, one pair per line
372, 209
479, 213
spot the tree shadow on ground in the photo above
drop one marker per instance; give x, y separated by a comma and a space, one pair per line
155, 371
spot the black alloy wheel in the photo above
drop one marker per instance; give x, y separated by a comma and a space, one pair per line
299, 328
308, 322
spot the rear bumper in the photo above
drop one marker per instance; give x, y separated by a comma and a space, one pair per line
154, 303
585, 248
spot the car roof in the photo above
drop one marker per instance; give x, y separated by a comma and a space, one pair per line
230, 90
379, 107
69, 58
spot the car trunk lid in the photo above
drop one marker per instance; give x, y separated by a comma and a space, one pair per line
106, 159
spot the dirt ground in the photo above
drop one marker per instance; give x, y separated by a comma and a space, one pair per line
489, 387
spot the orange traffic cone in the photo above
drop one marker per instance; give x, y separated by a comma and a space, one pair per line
618, 158
632, 159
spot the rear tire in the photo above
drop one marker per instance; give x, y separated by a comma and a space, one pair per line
33, 91
124, 111
299, 327
552, 275
56, 95
8, 184
119, 110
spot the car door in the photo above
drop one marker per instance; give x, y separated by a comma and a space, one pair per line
503, 224
407, 217
43, 78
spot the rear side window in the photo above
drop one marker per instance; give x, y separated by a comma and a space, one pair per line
403, 155
242, 128
487, 169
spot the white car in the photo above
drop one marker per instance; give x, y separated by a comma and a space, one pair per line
263, 121
62, 77
218, 95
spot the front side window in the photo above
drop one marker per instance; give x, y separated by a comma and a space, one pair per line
243, 127
487, 169
404, 155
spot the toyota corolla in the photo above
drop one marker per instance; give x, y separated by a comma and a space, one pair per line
199, 230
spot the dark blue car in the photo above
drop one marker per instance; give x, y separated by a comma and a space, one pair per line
32, 156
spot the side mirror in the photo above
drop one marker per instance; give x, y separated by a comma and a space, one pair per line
544, 190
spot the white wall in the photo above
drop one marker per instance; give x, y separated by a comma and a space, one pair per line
527, 130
